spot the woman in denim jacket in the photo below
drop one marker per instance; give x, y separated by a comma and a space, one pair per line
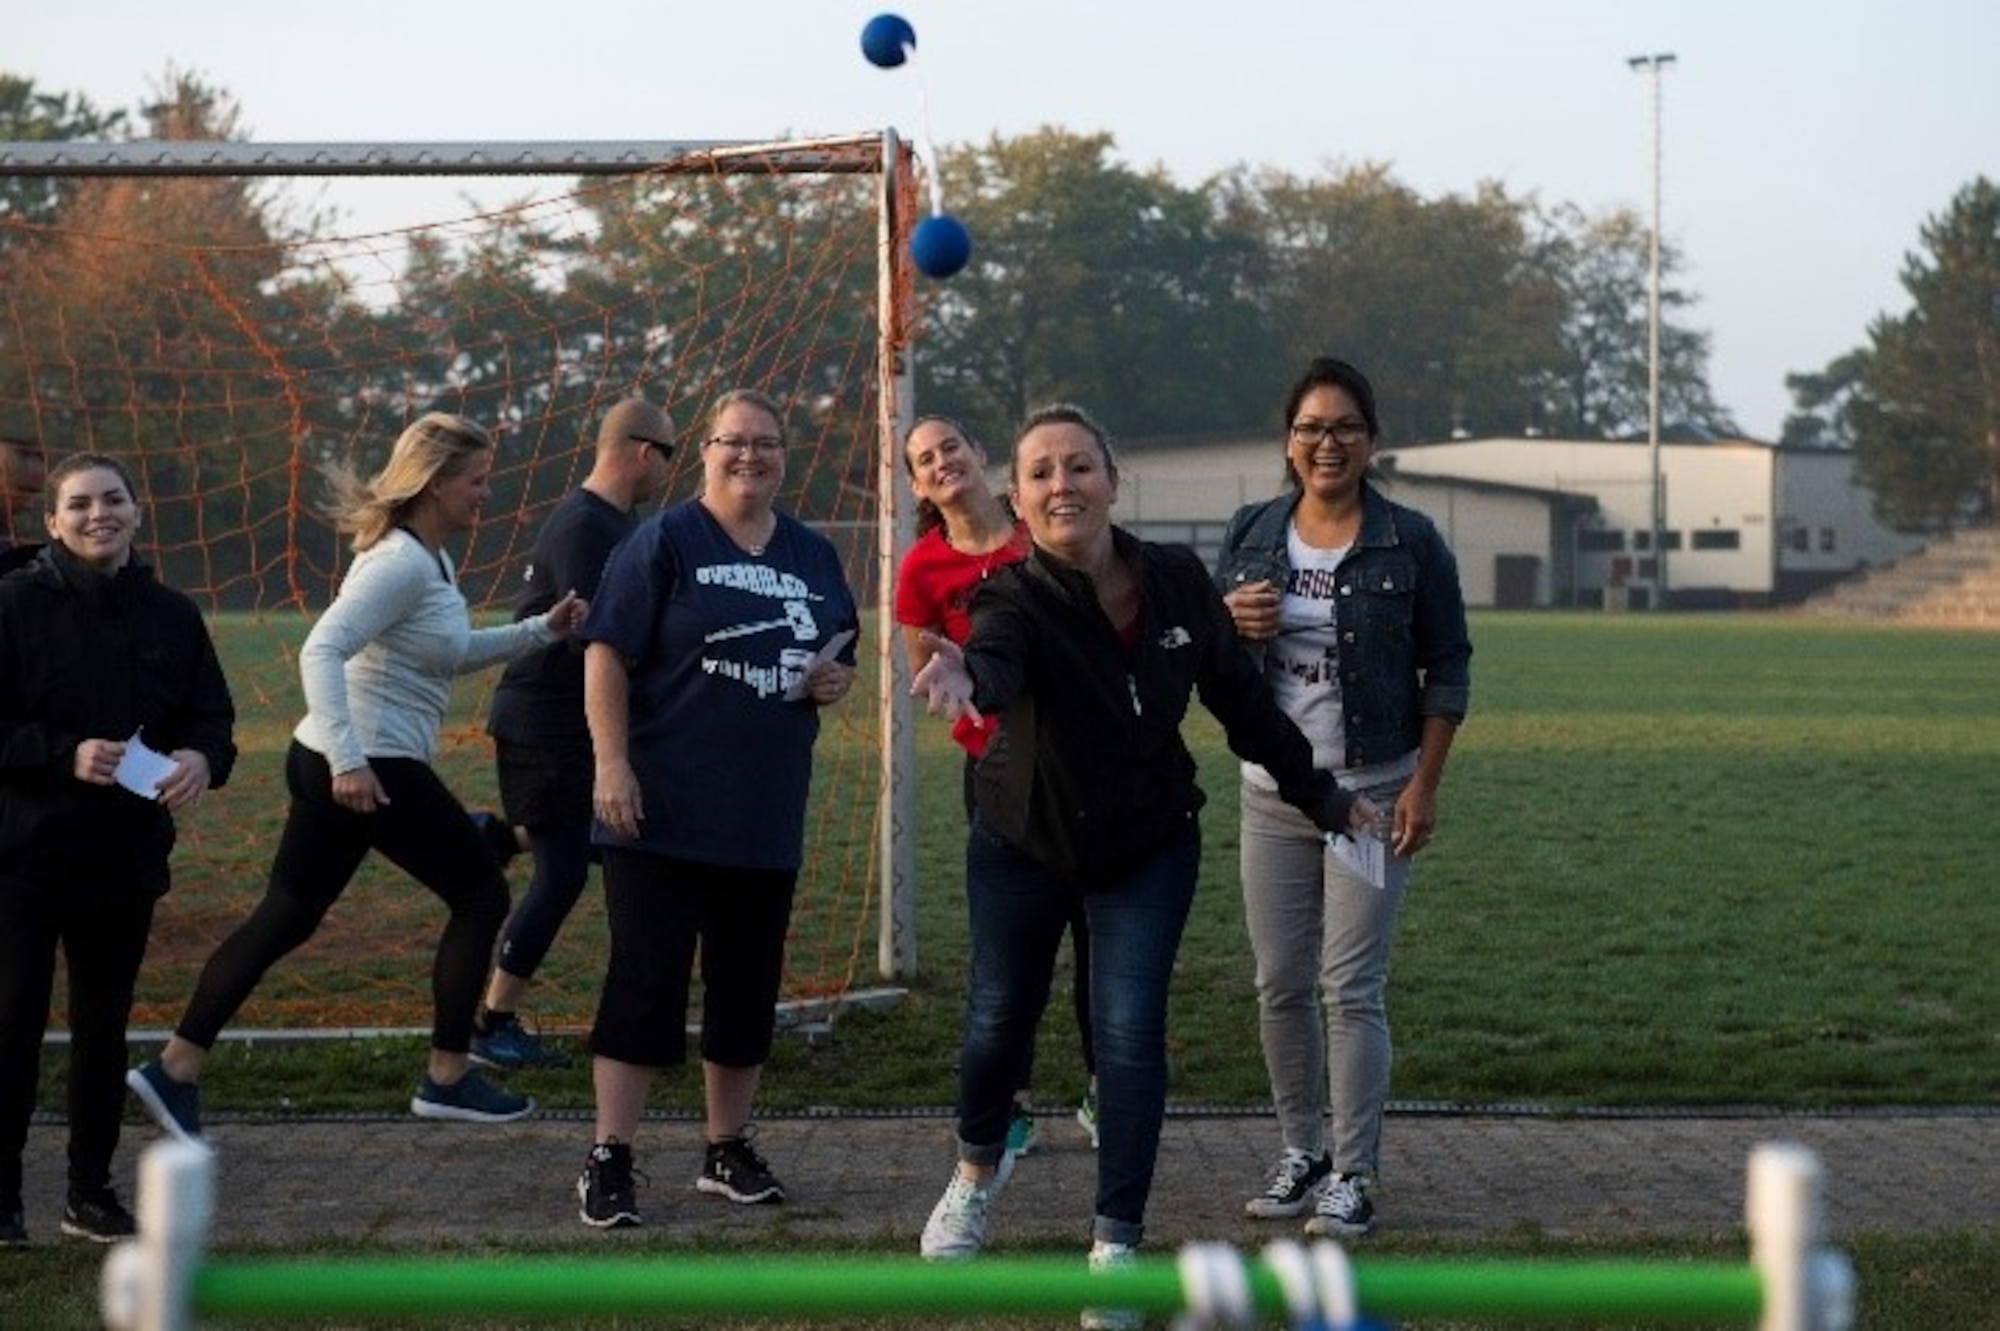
1354, 604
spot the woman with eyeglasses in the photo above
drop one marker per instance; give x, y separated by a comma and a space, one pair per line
1353, 603
377, 671
1093, 647
721, 628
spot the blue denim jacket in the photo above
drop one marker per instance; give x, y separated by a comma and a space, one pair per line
1404, 650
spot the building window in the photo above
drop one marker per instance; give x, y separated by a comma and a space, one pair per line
1594, 541
1826, 542
1718, 539
1643, 539
1799, 539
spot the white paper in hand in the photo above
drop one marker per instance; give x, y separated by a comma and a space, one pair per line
828, 650
142, 769
1365, 854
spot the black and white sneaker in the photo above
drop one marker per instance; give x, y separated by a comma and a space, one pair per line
733, 1169
607, 1194
99, 1216
1290, 1191
1342, 1208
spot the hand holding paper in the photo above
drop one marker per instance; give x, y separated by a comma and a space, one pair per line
143, 769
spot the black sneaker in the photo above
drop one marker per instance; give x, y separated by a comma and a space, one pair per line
733, 1169
1290, 1191
1342, 1208
13, 1228
174, 1105
608, 1196
510, 1046
98, 1216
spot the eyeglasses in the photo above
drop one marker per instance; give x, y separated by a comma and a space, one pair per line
664, 447
766, 444
1346, 433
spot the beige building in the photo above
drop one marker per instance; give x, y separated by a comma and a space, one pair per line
1550, 522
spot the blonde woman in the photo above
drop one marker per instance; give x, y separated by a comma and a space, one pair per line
377, 670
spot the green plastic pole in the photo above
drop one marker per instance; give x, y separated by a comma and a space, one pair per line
819, 1286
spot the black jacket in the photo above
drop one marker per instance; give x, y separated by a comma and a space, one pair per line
1089, 774
85, 656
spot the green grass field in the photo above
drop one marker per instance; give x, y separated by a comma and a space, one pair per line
1691, 860
1686, 860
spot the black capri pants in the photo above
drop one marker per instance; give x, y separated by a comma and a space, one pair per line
659, 909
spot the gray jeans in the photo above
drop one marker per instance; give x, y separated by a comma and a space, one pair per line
1321, 934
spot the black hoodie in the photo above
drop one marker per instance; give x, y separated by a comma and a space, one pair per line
85, 655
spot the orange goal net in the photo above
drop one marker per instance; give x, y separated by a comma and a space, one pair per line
210, 327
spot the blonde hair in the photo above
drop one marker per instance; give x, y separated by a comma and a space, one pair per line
435, 444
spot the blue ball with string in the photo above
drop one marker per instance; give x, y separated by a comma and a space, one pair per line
884, 38
940, 245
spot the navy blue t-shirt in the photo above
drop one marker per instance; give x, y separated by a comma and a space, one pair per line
714, 638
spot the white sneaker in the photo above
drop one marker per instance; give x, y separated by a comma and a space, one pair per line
1106, 1257
956, 1230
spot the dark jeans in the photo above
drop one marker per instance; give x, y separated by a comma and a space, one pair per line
103, 939
422, 830
1019, 911
1079, 951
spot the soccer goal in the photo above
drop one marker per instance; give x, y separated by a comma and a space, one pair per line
210, 313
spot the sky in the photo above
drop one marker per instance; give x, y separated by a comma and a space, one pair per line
1804, 143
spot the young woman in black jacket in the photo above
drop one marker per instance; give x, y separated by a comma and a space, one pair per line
96, 659
1093, 647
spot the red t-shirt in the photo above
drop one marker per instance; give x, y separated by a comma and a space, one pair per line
934, 590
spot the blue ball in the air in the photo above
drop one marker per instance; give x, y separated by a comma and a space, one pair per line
883, 40
940, 245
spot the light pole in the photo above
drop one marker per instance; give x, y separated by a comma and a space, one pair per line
1653, 66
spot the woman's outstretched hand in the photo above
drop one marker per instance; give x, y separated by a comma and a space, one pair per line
944, 683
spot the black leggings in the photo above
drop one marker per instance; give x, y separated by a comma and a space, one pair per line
562, 866
424, 831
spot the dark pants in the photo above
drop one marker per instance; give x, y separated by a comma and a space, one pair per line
1019, 911
546, 789
424, 831
1079, 953
103, 939
659, 908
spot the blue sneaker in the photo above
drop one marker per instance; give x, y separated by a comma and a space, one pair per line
508, 1045
174, 1105
470, 1099
1020, 1130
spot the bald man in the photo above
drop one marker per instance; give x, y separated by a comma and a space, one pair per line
23, 475
541, 740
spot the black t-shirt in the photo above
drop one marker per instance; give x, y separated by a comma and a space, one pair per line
539, 699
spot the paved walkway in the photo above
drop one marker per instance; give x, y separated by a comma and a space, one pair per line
872, 1180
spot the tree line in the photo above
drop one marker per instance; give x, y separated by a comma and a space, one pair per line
1172, 309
